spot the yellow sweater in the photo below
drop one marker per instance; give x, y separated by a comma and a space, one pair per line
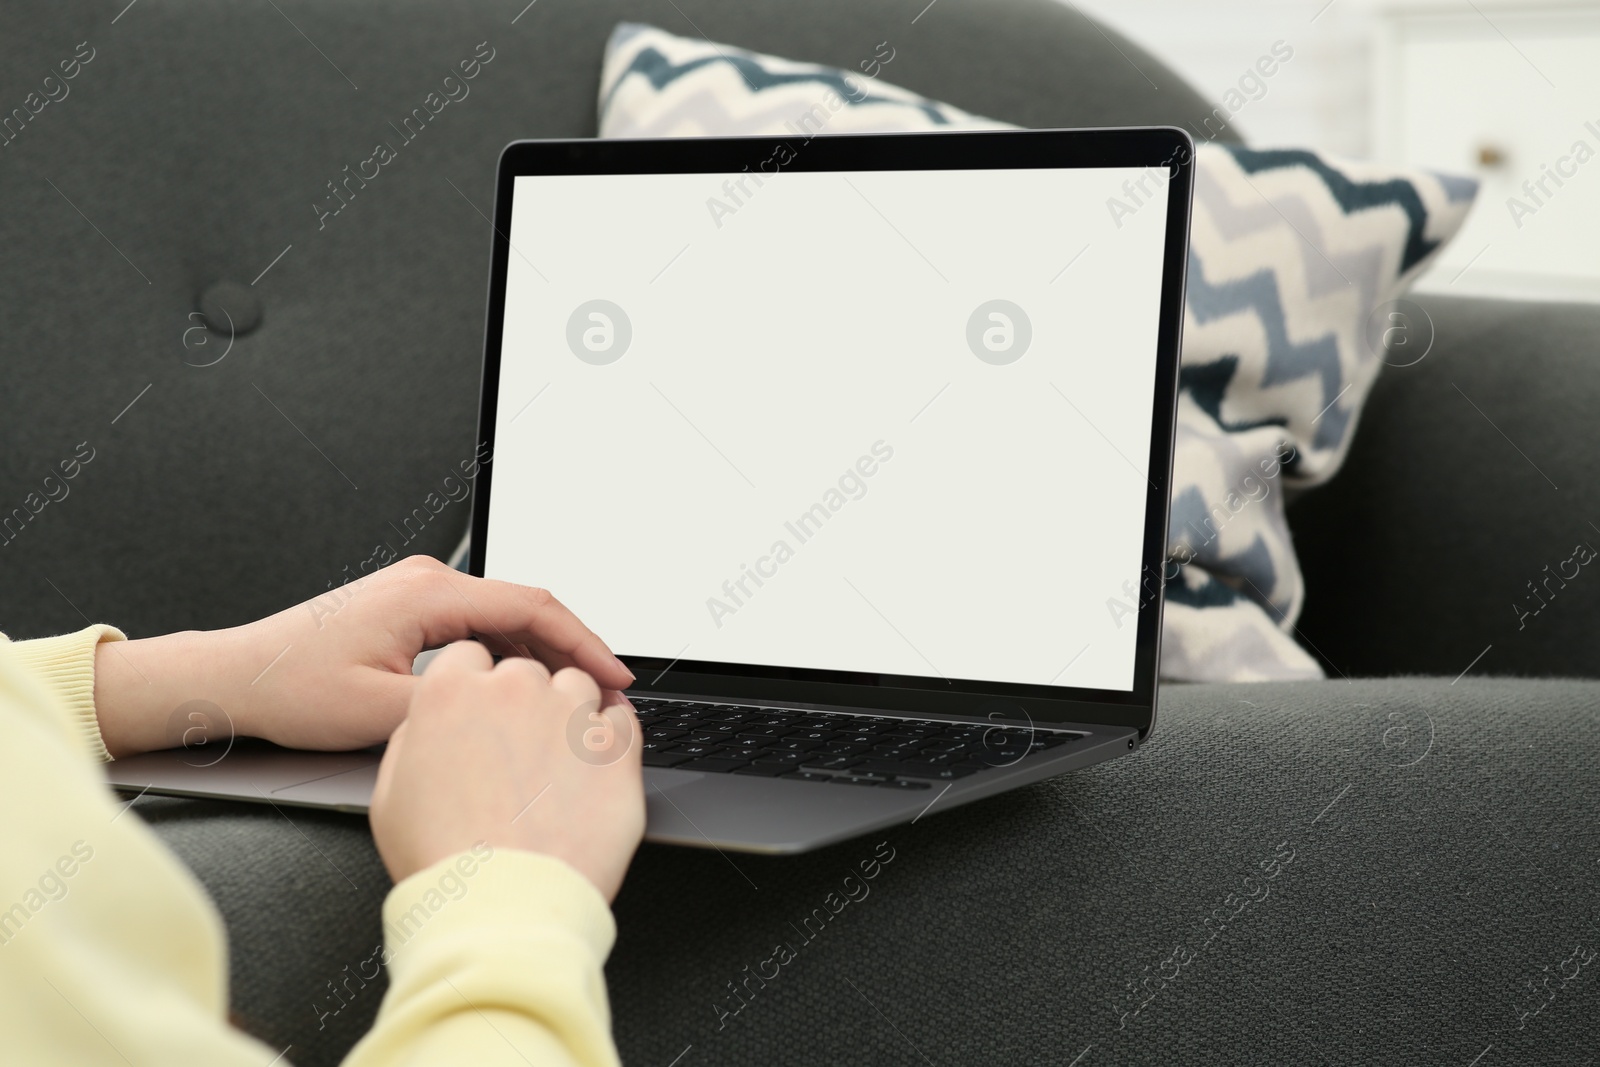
110, 951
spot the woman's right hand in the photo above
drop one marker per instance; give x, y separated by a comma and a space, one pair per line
507, 755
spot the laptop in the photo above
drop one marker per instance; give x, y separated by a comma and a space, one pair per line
857, 449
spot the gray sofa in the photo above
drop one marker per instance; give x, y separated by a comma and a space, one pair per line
1397, 868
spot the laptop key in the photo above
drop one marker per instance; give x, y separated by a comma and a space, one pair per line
902, 741
665, 759
858, 779
832, 763
869, 764
904, 783
836, 749
814, 723
922, 756
788, 759
714, 764
764, 769
808, 776
790, 744
918, 732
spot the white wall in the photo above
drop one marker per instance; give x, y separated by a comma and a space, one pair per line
1318, 99
1498, 89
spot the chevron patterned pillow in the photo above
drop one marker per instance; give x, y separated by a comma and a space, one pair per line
1294, 259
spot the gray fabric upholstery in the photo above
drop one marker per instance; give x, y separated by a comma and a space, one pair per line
1444, 842
196, 142
1472, 472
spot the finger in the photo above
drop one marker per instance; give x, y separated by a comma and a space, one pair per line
591, 655
524, 665
462, 605
612, 698
386, 765
498, 646
503, 646
625, 725
551, 657
577, 686
461, 657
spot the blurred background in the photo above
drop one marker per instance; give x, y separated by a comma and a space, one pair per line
1506, 91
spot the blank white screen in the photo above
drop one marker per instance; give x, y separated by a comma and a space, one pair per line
779, 334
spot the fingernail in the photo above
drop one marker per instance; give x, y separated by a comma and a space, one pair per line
623, 667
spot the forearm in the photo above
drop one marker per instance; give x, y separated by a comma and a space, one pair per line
162, 692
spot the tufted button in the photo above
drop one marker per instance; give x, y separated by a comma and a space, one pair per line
230, 309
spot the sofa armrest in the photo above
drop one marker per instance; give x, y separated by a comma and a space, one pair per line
1473, 476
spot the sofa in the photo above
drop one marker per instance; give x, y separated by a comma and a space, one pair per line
1399, 864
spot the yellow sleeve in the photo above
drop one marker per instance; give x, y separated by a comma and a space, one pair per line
65, 666
495, 957
110, 952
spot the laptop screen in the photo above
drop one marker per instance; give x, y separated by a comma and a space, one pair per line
891, 422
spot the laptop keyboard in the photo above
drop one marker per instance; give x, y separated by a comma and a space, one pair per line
835, 748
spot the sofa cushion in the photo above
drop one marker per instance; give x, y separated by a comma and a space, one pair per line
1294, 258
1377, 873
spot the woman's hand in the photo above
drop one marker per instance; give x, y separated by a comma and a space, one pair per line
504, 755
334, 672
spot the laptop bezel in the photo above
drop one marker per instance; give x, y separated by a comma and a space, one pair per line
1165, 149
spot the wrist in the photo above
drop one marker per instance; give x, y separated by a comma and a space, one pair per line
168, 691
